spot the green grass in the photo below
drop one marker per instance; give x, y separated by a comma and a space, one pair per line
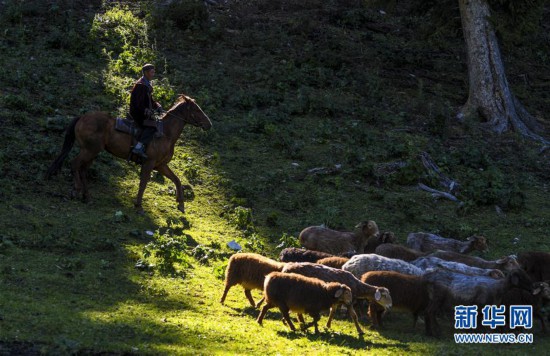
287, 91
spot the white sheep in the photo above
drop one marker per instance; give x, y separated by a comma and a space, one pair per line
361, 264
425, 242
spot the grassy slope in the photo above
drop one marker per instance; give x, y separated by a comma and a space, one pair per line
274, 84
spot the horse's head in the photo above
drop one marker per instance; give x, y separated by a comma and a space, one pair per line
195, 116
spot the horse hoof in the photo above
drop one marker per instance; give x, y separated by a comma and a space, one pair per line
181, 208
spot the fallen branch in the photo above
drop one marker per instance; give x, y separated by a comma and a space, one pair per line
325, 170
448, 183
439, 194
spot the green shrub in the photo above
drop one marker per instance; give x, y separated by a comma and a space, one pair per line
255, 244
119, 29
168, 252
241, 217
288, 241
491, 186
125, 41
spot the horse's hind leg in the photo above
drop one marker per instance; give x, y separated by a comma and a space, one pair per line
168, 173
76, 165
144, 176
84, 179
79, 167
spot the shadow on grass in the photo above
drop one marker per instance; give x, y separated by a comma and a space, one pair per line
352, 341
335, 338
253, 312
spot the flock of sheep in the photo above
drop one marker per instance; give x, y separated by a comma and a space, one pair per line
427, 278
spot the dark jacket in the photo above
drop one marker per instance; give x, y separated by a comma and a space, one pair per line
140, 100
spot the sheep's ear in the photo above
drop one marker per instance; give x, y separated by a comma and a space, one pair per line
339, 292
377, 295
537, 290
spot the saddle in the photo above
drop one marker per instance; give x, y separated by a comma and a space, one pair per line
128, 126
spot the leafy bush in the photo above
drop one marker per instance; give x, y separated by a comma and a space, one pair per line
490, 186
288, 241
125, 40
167, 252
206, 254
254, 243
241, 217
191, 169
119, 29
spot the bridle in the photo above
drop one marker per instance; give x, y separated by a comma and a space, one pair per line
177, 116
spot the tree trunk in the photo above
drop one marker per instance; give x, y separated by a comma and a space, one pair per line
489, 92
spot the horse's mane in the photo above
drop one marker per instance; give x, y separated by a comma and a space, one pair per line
182, 99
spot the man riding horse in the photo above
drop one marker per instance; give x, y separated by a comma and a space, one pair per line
142, 109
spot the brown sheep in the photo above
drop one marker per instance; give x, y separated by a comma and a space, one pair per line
409, 293
323, 239
387, 237
425, 242
249, 270
536, 264
293, 254
507, 263
294, 292
359, 289
334, 261
399, 252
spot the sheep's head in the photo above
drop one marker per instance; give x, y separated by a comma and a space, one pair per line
496, 274
479, 243
387, 237
508, 263
369, 228
542, 289
382, 296
343, 295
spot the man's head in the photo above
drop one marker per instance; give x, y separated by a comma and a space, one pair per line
148, 71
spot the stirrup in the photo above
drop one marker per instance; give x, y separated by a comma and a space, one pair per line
140, 152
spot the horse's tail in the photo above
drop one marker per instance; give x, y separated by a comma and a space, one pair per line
67, 146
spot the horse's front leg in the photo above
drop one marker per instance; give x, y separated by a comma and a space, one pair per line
144, 177
168, 173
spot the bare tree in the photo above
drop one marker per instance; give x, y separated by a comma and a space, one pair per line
489, 92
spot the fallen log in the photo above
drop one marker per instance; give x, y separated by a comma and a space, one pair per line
439, 194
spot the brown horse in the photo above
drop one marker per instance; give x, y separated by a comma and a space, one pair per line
95, 132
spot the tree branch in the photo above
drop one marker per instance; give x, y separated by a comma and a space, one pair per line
439, 194
447, 183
